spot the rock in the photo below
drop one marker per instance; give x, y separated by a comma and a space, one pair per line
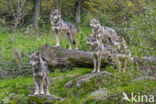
12, 99
85, 78
5, 101
43, 99
98, 96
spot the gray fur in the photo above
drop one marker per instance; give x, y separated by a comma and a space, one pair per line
104, 33
40, 73
62, 27
100, 50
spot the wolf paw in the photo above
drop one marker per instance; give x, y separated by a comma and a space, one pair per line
76, 48
36, 93
48, 93
42, 92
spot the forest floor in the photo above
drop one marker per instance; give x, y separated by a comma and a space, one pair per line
131, 81
134, 80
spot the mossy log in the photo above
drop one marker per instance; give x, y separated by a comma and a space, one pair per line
64, 58
58, 57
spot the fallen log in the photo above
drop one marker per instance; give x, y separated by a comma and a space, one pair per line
64, 58
58, 57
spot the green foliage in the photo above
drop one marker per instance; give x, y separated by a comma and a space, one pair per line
133, 19
20, 86
141, 31
113, 11
119, 82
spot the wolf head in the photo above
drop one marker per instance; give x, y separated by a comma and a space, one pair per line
92, 41
95, 24
55, 15
34, 58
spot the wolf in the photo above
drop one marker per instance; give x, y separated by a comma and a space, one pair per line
40, 73
126, 53
62, 27
124, 49
100, 50
104, 33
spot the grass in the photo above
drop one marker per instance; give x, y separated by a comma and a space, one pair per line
31, 43
23, 86
120, 82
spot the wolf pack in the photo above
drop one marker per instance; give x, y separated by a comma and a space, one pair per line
104, 42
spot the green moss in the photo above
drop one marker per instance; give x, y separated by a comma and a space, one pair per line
116, 84
36, 100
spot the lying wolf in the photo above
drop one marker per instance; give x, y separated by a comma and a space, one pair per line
62, 27
40, 73
100, 50
104, 33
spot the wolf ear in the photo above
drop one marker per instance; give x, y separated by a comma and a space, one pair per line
37, 53
87, 35
29, 53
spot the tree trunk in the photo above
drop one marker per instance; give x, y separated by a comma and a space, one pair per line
64, 58
57, 4
57, 57
77, 7
36, 15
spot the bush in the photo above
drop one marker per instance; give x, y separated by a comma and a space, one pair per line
142, 32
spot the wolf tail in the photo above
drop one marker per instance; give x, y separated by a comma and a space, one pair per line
74, 32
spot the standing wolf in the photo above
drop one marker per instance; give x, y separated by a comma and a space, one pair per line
104, 33
40, 73
100, 50
126, 54
62, 27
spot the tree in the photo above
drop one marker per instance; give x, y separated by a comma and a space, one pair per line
57, 57
77, 7
57, 4
36, 14
17, 14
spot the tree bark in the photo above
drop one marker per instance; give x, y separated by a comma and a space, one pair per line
57, 4
77, 6
63, 58
36, 15
17, 14
57, 57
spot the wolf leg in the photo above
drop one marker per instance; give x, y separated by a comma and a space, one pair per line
99, 62
47, 86
37, 86
42, 85
57, 35
69, 39
95, 64
57, 39
73, 32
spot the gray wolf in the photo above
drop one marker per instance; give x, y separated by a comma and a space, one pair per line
100, 50
40, 73
104, 33
126, 54
62, 27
